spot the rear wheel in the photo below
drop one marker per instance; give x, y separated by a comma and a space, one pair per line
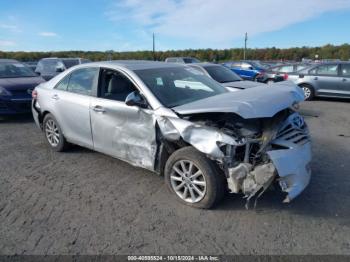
53, 134
194, 179
308, 91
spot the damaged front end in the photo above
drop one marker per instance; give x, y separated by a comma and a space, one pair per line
283, 155
253, 153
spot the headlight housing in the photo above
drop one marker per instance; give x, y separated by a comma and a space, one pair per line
4, 92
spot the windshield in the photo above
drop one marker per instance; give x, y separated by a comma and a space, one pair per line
258, 64
48, 65
9, 70
175, 86
191, 60
222, 74
70, 62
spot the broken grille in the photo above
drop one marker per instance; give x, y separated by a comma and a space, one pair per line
292, 133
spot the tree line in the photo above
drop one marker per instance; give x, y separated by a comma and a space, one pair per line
219, 55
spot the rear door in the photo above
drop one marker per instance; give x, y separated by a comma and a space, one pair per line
325, 78
71, 103
125, 132
345, 80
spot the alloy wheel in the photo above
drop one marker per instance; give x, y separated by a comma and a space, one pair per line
307, 92
188, 181
52, 133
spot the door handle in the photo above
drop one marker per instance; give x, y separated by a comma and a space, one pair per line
99, 109
55, 97
315, 78
344, 80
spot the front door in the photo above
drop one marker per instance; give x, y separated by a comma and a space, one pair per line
125, 132
326, 80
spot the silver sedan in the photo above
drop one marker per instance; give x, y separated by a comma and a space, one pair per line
179, 123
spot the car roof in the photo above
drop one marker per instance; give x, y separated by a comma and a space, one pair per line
136, 64
8, 61
203, 64
182, 57
60, 58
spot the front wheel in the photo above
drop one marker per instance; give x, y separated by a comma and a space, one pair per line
53, 134
194, 179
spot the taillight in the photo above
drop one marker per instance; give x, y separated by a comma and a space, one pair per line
285, 76
35, 94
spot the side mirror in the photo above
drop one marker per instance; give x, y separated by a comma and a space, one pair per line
301, 76
135, 99
59, 69
250, 68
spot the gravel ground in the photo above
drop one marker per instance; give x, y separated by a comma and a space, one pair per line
82, 202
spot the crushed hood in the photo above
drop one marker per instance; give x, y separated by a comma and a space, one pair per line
242, 84
255, 102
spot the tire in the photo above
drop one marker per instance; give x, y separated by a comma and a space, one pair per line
270, 81
309, 91
53, 134
209, 180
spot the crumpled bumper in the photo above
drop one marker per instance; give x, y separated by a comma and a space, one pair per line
36, 113
293, 167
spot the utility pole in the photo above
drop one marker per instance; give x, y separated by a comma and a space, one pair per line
154, 49
245, 46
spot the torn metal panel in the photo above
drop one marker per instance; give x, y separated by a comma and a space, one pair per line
293, 166
205, 139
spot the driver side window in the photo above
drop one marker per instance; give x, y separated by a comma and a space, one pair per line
114, 85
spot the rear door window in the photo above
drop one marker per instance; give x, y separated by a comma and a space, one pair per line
83, 81
300, 67
327, 70
63, 84
236, 64
286, 69
345, 70
246, 66
171, 60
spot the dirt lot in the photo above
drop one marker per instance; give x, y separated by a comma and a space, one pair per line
82, 202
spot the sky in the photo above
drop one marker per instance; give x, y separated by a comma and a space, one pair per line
127, 25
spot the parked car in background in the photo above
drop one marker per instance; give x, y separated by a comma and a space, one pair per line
183, 60
280, 73
248, 70
31, 65
326, 79
17, 82
169, 119
50, 67
224, 76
